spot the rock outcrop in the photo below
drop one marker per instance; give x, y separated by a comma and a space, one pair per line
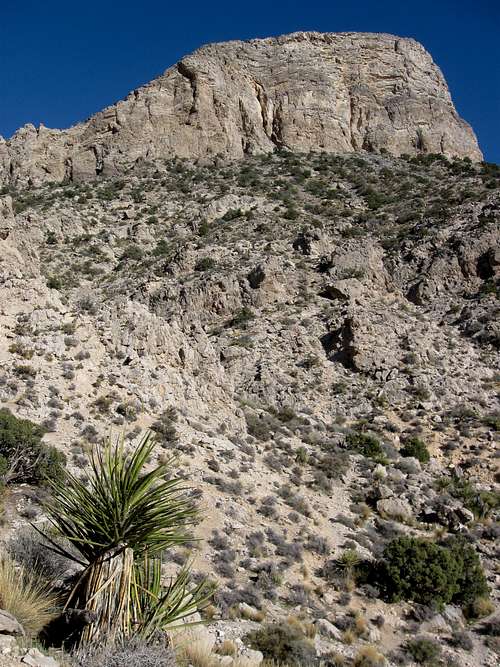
306, 91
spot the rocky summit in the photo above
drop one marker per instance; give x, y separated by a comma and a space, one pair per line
282, 257
306, 91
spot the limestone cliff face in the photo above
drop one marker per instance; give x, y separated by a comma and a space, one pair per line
306, 91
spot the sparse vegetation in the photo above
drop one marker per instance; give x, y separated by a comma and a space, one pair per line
366, 444
424, 651
344, 368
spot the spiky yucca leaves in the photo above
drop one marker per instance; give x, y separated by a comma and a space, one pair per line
26, 596
121, 521
157, 606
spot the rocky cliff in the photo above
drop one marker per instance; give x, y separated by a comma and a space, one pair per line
306, 91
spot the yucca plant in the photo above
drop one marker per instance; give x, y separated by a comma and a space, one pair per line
121, 522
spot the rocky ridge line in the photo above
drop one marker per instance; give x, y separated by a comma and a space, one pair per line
333, 92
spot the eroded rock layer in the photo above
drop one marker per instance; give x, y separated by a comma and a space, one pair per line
335, 92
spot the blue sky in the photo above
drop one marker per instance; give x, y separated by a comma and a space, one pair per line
62, 61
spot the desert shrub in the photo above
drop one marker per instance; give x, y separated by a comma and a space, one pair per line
133, 653
243, 316
29, 549
481, 606
423, 650
263, 425
54, 282
165, 428
421, 571
368, 656
26, 596
462, 640
131, 252
87, 304
416, 448
283, 643
226, 599
365, 444
471, 580
162, 248
25, 458
318, 544
204, 264
333, 463
481, 503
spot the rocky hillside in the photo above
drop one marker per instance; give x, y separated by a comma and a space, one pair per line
290, 325
306, 91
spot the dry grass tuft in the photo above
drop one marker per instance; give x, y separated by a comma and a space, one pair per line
193, 650
368, 656
348, 637
27, 597
249, 614
227, 647
481, 606
303, 626
360, 625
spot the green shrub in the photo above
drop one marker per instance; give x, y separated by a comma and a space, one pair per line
204, 264
162, 248
365, 444
422, 650
481, 503
232, 214
25, 458
418, 570
132, 252
416, 448
243, 316
471, 580
54, 282
283, 643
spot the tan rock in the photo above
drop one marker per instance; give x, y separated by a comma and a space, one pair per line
335, 92
9, 625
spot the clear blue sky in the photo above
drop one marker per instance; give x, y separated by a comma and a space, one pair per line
62, 61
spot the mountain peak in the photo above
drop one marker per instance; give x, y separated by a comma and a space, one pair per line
332, 92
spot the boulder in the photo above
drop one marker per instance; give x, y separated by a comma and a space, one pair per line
9, 625
327, 629
395, 508
250, 658
35, 658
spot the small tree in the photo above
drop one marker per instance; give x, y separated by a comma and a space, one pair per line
120, 523
416, 448
421, 571
23, 455
367, 445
